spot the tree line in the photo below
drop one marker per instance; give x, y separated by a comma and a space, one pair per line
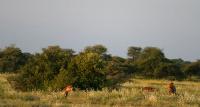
93, 68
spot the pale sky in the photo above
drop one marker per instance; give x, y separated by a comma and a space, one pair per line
172, 25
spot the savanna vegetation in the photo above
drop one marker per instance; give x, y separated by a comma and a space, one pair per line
129, 94
95, 73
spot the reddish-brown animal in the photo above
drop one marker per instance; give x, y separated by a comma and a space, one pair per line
149, 89
68, 89
171, 88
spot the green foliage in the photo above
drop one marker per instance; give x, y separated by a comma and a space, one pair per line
153, 63
88, 71
193, 69
100, 49
56, 67
41, 69
62, 79
134, 52
152, 53
11, 59
118, 65
128, 95
35, 74
150, 59
93, 68
118, 69
168, 70
57, 57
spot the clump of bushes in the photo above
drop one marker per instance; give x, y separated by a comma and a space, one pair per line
93, 68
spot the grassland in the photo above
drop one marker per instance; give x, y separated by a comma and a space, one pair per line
129, 94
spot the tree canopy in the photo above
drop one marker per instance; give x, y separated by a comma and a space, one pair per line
92, 68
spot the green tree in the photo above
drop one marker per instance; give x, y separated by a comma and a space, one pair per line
168, 70
63, 78
153, 63
36, 74
134, 52
87, 71
57, 57
42, 69
117, 69
152, 52
149, 60
100, 49
12, 58
193, 69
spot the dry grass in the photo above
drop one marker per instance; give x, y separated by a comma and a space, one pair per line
129, 94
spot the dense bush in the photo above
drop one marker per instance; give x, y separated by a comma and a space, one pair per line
54, 68
36, 74
41, 70
88, 71
118, 70
12, 58
92, 68
193, 69
152, 63
168, 70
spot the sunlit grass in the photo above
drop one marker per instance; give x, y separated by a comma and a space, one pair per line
129, 94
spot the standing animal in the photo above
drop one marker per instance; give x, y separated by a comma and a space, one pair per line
68, 89
171, 88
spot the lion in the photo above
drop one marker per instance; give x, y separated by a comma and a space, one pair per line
149, 89
171, 88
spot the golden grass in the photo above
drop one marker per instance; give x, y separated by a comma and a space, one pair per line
129, 94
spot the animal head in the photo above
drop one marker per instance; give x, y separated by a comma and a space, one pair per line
170, 85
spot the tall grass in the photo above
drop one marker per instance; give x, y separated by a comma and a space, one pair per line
129, 94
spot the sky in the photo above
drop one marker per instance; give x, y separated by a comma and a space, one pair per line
171, 25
